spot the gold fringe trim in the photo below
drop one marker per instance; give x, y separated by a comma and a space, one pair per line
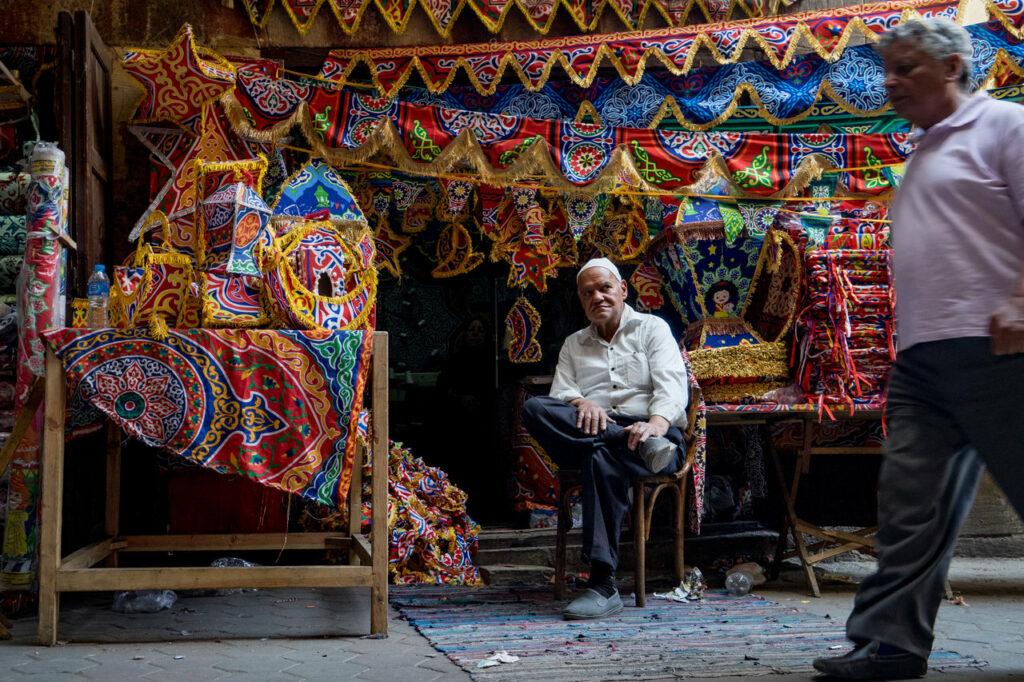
759, 360
734, 393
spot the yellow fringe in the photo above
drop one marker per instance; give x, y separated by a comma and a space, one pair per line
758, 360
734, 393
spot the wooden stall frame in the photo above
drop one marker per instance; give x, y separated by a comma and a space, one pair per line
76, 572
828, 542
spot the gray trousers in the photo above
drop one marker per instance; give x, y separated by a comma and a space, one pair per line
607, 465
953, 408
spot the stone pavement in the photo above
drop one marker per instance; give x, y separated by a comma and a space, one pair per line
318, 634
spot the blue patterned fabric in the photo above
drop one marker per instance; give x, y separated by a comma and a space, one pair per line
705, 95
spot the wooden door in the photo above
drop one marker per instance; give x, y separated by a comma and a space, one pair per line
87, 139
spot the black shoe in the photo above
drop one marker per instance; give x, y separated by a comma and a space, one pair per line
865, 663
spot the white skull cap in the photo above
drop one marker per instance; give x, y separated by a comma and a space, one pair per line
600, 263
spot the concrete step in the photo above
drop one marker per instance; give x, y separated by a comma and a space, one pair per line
512, 574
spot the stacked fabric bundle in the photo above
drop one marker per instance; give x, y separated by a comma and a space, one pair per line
848, 325
13, 191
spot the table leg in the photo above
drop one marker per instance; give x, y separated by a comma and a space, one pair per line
112, 519
380, 537
51, 494
790, 521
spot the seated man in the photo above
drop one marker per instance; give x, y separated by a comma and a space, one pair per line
616, 410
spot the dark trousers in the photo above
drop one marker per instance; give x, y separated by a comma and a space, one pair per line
953, 407
608, 467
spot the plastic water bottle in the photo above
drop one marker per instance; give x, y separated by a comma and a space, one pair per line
99, 296
738, 584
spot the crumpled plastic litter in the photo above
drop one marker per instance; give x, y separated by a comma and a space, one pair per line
497, 658
787, 395
143, 601
691, 589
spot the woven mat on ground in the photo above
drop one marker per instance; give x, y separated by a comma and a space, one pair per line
721, 636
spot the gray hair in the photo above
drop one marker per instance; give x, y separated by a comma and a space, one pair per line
940, 38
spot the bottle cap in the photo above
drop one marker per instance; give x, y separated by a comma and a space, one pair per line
99, 266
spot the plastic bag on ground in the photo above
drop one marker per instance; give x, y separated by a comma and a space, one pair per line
143, 601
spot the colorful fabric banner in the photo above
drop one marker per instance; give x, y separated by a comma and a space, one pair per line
582, 57
503, 149
538, 13
279, 407
697, 101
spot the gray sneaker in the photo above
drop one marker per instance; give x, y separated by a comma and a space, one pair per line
592, 605
657, 453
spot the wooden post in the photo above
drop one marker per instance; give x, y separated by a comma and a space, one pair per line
381, 536
355, 502
112, 520
52, 493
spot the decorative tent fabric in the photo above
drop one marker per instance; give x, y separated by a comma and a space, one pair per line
827, 32
711, 275
279, 407
578, 157
706, 97
539, 14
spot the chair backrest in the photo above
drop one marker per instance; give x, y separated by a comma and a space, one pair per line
693, 408
693, 405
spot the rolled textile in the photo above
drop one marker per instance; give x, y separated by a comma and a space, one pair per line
12, 234
39, 308
13, 190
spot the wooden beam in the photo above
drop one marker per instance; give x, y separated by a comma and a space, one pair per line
21, 424
361, 547
381, 537
87, 556
112, 506
216, 541
51, 499
208, 578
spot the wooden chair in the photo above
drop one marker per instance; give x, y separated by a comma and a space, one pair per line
646, 490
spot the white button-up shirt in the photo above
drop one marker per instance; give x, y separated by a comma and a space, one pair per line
639, 373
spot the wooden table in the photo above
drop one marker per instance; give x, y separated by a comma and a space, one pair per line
828, 542
77, 572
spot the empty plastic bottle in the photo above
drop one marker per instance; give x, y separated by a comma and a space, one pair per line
99, 297
738, 584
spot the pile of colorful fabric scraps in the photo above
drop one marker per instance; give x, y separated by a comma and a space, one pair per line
432, 537
691, 589
848, 331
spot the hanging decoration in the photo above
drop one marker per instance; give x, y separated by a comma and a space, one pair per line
500, 150
296, 398
181, 154
827, 32
314, 188
539, 14
523, 325
455, 255
179, 81
318, 279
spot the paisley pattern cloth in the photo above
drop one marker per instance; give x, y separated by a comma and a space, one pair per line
280, 407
